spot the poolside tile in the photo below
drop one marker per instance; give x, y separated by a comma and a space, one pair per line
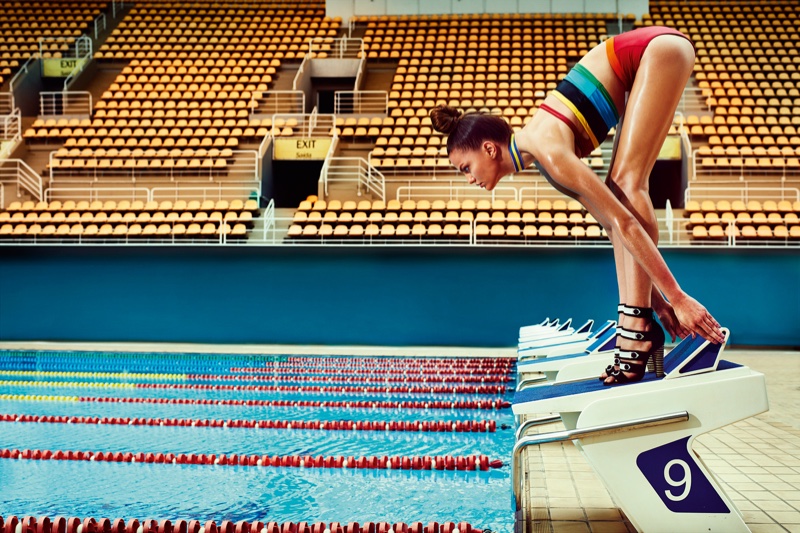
785, 517
611, 527
598, 514
570, 527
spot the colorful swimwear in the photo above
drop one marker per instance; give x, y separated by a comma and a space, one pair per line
625, 50
591, 104
588, 99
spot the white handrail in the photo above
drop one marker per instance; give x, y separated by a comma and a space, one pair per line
220, 192
361, 102
22, 71
78, 101
355, 170
272, 102
98, 193
742, 192
19, 172
455, 192
11, 128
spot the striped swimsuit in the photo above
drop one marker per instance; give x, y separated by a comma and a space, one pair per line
589, 100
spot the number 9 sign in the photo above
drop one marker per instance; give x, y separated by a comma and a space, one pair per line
674, 475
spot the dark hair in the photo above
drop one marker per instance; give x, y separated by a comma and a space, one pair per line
468, 131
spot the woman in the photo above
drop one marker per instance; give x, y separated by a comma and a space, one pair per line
639, 75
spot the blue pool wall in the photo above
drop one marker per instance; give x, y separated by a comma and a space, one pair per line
449, 296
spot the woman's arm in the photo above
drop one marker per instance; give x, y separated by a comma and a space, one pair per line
566, 169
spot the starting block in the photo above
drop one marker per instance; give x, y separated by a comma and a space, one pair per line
569, 346
539, 345
559, 330
597, 354
638, 437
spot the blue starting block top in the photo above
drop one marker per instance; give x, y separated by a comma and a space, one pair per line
604, 341
571, 388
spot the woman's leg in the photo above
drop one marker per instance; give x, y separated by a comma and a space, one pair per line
664, 69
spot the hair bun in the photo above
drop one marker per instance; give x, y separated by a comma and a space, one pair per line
445, 118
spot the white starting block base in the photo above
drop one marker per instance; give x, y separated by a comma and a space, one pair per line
638, 438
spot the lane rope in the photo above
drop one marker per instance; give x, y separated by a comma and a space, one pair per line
437, 462
460, 426
497, 403
60, 524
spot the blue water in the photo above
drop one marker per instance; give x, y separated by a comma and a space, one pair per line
163, 491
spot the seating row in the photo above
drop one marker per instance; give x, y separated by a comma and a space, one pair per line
115, 218
741, 218
135, 206
446, 232
760, 233
752, 207
122, 231
507, 206
437, 217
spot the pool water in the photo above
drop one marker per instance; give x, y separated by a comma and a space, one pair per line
74, 383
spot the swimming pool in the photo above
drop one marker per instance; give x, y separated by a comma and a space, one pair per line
330, 439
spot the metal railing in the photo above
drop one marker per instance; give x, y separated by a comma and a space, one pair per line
78, 103
83, 50
18, 172
274, 231
581, 433
100, 25
354, 170
455, 192
220, 192
268, 222
743, 167
22, 71
11, 126
693, 100
98, 193
7, 104
361, 102
272, 102
233, 167
343, 48
743, 193
304, 125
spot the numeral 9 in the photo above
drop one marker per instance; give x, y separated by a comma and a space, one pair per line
686, 480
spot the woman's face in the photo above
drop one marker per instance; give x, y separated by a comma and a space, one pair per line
481, 167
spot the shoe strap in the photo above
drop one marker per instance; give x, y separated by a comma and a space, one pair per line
634, 335
641, 312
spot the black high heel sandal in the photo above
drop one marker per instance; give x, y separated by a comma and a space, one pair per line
610, 368
636, 362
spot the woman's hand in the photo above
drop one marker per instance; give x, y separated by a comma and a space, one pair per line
695, 319
666, 315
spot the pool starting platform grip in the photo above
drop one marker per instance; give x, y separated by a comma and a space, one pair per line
638, 437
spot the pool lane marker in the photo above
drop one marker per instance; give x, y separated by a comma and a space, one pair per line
93, 375
308, 389
60, 524
460, 426
438, 462
497, 403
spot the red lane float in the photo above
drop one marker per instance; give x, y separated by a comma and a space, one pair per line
463, 389
460, 426
280, 376
497, 403
59, 524
439, 462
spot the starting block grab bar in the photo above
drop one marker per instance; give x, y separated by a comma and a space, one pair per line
572, 434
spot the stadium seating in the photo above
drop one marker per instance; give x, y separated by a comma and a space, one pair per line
754, 220
124, 219
497, 221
